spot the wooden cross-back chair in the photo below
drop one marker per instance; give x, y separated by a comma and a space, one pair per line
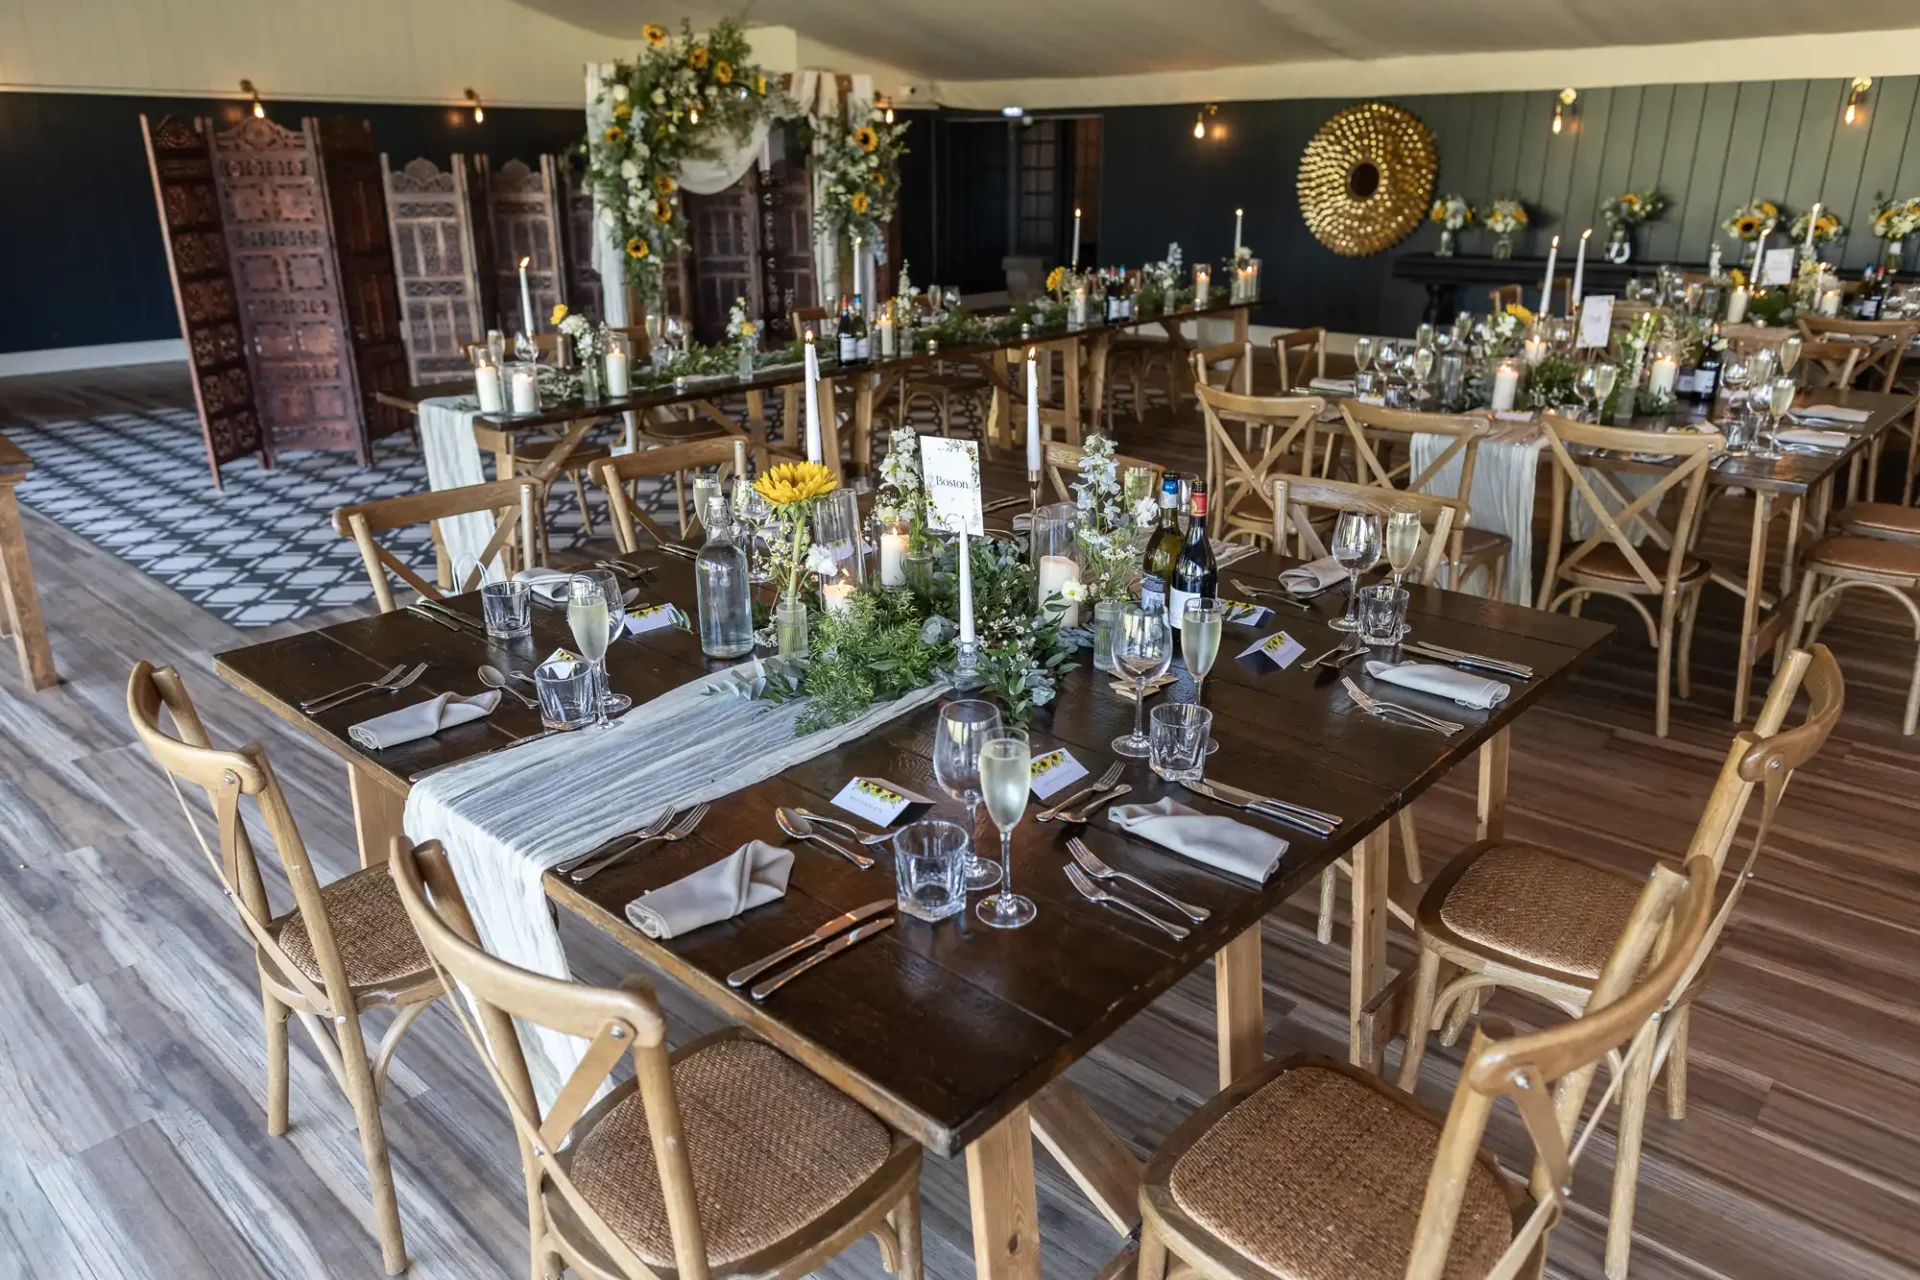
515, 505
616, 476
1502, 297
1608, 562
1240, 481
1301, 355
1235, 358
344, 949
1135, 356
790, 1172
1061, 459
1829, 364
1503, 914
1885, 346
1470, 549
1347, 1146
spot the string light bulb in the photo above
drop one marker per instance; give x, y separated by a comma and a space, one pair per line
1562, 107
1857, 100
479, 111
693, 115
1200, 119
259, 107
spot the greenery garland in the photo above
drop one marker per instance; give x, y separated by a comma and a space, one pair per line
857, 157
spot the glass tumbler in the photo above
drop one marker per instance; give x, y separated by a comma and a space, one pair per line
1383, 614
507, 608
930, 863
1179, 734
568, 693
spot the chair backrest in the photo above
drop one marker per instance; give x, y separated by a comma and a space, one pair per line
616, 1023
1295, 498
1063, 458
188, 755
1301, 355
1692, 452
1366, 423
613, 475
1830, 364
805, 318
1499, 299
1881, 355
1546, 1074
515, 504
1236, 356
1233, 480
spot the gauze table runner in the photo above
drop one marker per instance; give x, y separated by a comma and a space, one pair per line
506, 818
453, 461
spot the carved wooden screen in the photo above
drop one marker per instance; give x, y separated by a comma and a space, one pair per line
786, 244
480, 206
430, 216
583, 281
351, 173
281, 246
524, 205
181, 161
724, 234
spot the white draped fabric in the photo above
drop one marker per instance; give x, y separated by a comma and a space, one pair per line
609, 255
453, 460
1504, 482
506, 818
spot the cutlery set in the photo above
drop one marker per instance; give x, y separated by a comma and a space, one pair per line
1105, 782
393, 682
588, 865
1388, 710
837, 935
1312, 821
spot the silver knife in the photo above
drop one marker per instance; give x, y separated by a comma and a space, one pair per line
1084, 793
834, 948
742, 976
434, 618
439, 610
1465, 659
1297, 815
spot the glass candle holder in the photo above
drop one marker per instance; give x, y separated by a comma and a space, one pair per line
1506, 385
489, 384
836, 526
1055, 544
1202, 284
523, 387
895, 539
619, 360
1106, 620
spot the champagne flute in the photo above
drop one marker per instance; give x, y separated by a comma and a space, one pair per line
616, 626
1462, 327
1423, 335
1422, 369
1736, 379
1200, 628
1403, 542
1362, 354
962, 730
1356, 545
1583, 387
1142, 647
1780, 393
1789, 352
1604, 377
1765, 362
587, 616
1006, 773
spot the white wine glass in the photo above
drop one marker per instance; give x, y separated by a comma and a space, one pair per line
1604, 378
587, 617
1790, 347
1780, 393
616, 627
1006, 772
1142, 648
1200, 628
958, 736
1356, 546
1403, 542
1423, 335
1583, 387
1362, 354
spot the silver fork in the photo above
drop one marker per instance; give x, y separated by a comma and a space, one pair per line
1104, 783
1094, 893
1380, 706
679, 831
1247, 588
1090, 863
391, 686
1349, 646
355, 687
660, 823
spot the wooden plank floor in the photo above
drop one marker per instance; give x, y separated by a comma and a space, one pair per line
132, 1136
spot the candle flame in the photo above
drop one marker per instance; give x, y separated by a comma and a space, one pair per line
809, 335
1586, 233
1033, 353
1238, 212
1076, 211
1556, 242
525, 262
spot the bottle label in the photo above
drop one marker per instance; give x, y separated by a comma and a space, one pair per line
862, 348
1153, 592
1177, 602
1199, 502
848, 348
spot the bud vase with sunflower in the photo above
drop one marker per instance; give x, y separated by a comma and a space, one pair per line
793, 489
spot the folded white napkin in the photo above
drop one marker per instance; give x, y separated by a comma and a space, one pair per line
751, 876
1306, 579
549, 584
1833, 413
1333, 386
1220, 843
1817, 438
1463, 687
422, 719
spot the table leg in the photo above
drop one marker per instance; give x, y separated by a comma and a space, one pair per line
1493, 787
1070, 388
1239, 1006
1368, 973
864, 386
1240, 315
21, 602
1097, 377
1750, 601
1093, 1156
377, 814
829, 429
1000, 1190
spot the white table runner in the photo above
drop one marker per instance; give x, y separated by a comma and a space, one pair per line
506, 818
1505, 477
453, 461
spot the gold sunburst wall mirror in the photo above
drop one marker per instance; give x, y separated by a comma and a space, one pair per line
1366, 179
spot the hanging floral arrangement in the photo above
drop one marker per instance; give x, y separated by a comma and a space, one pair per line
1752, 220
1826, 228
671, 104
857, 158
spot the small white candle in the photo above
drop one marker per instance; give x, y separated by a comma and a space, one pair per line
1812, 218
1074, 262
1546, 285
1506, 384
1033, 411
893, 558
1737, 304
1202, 285
486, 382
966, 590
1535, 350
1077, 305
1055, 573
883, 327
526, 300
813, 400
837, 596
1661, 377
525, 389
1239, 218
1830, 303
1580, 272
617, 384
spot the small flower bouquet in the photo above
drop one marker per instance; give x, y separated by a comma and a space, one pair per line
1631, 208
1893, 222
743, 335
1826, 229
1452, 212
1505, 218
1752, 220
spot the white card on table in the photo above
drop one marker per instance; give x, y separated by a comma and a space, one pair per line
876, 800
1242, 614
1596, 320
951, 471
1056, 771
1279, 648
655, 617
563, 659
1777, 266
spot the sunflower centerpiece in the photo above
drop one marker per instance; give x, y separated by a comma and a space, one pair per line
793, 489
857, 155
1506, 218
1752, 223
1625, 212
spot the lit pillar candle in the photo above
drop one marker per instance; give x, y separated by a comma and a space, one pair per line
1239, 218
966, 589
1737, 304
1546, 283
1661, 377
1580, 272
1055, 573
526, 299
1830, 303
1077, 304
1535, 350
1033, 411
1074, 261
617, 383
893, 557
837, 596
1202, 285
813, 400
524, 389
486, 385
1506, 385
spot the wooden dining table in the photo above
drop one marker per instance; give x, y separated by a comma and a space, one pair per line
956, 1033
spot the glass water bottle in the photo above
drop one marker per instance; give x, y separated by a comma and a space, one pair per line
721, 588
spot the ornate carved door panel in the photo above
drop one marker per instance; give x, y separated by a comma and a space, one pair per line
353, 177
724, 234
431, 220
583, 281
524, 205
181, 160
480, 212
278, 238
786, 245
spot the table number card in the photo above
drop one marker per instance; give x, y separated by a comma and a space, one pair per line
951, 469
1279, 649
1054, 772
876, 800
1242, 614
1596, 321
655, 617
1777, 267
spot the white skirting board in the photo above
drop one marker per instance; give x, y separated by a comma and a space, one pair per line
112, 355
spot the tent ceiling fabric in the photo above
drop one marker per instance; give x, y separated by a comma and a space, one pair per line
1015, 39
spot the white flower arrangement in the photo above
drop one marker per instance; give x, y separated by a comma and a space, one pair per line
856, 158
1896, 219
1452, 212
899, 498
1166, 272
1504, 217
1826, 228
741, 330
590, 341
1107, 528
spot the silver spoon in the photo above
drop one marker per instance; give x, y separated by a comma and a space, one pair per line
493, 678
882, 838
800, 829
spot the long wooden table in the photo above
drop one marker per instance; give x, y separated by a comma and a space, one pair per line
958, 1034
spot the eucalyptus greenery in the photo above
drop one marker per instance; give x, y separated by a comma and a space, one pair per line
1550, 385
875, 650
1021, 654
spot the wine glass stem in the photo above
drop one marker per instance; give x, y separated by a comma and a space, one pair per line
1139, 709
1199, 690
973, 828
1353, 594
1006, 865
600, 692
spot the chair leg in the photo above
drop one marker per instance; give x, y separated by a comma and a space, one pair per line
580, 495
906, 1229
1409, 844
1663, 679
1329, 889
1913, 698
1464, 1010
1139, 403
1497, 572
1798, 627
1426, 984
1626, 1164
373, 1147
1153, 1255
1689, 612
276, 1018
1677, 1065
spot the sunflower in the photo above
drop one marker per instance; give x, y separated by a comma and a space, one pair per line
638, 248
1519, 313
656, 35
559, 314
1746, 226
1738, 277
697, 57
723, 72
1769, 210
662, 211
866, 137
665, 185
1630, 201
791, 482
879, 179
1054, 277
623, 111
858, 202
614, 135
760, 84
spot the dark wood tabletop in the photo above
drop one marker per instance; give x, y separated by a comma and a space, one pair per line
945, 1030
